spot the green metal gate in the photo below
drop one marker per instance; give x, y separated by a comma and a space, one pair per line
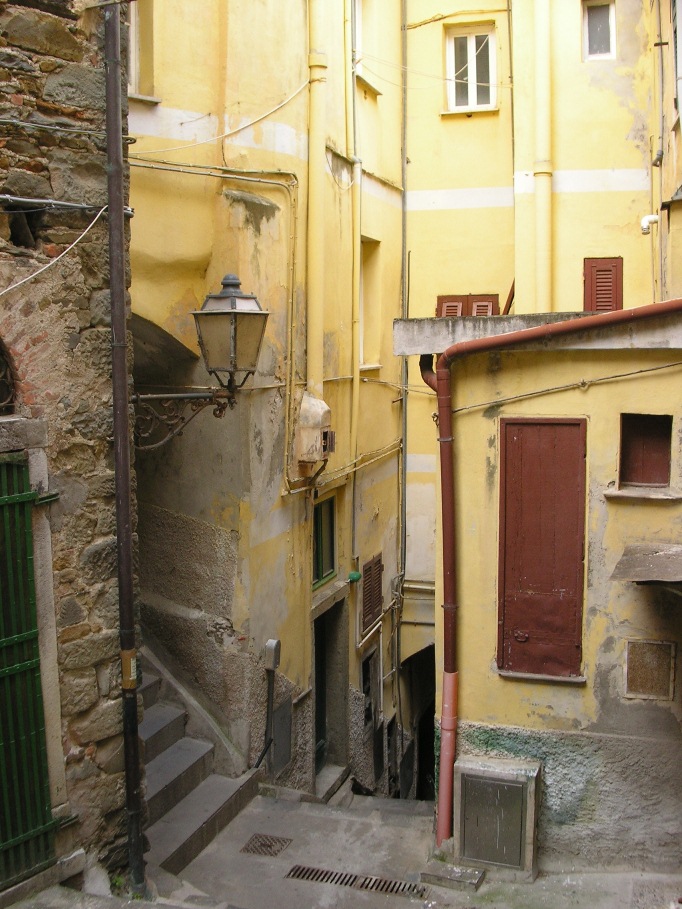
26, 825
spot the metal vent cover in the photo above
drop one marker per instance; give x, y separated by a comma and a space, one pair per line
264, 844
358, 881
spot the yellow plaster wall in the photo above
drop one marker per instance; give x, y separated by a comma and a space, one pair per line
612, 611
227, 68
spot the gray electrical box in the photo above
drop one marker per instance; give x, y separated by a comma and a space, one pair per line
493, 820
495, 814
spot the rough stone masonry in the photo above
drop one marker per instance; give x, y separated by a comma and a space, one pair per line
54, 332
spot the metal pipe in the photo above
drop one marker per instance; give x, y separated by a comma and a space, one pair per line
440, 381
542, 168
317, 62
121, 431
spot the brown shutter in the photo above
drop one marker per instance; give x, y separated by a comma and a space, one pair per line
603, 284
372, 596
451, 305
467, 305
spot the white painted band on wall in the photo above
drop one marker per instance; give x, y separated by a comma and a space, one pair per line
171, 123
420, 463
587, 181
452, 199
563, 181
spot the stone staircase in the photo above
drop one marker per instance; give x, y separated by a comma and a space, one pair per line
188, 802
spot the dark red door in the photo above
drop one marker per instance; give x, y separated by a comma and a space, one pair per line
542, 542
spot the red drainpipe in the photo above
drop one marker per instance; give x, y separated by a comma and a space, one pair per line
440, 382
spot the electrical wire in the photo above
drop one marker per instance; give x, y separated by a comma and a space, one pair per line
232, 132
27, 124
57, 258
461, 12
582, 384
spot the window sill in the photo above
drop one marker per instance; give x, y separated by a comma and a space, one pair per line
364, 84
652, 493
144, 99
370, 367
537, 677
468, 111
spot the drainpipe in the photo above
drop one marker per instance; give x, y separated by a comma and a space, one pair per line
542, 168
317, 62
121, 431
440, 382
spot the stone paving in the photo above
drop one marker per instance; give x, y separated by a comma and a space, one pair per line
375, 838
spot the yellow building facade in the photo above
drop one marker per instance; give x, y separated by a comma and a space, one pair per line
542, 141
257, 152
467, 172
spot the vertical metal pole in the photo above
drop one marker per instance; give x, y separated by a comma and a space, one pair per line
124, 545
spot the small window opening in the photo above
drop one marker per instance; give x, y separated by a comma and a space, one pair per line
6, 385
645, 445
324, 541
598, 30
370, 686
24, 225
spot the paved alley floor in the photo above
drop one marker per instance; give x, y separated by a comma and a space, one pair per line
381, 839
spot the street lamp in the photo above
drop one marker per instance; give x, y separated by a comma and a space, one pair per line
230, 326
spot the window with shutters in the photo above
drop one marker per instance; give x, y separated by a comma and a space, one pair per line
372, 591
471, 68
645, 445
467, 305
603, 280
324, 541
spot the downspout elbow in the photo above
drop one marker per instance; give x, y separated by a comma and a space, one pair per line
427, 372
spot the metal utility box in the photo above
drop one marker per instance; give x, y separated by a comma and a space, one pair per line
495, 815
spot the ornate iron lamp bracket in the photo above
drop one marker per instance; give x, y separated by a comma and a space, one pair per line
161, 417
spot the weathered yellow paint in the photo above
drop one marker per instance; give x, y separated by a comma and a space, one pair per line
221, 182
612, 612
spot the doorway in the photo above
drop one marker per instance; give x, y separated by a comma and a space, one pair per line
331, 686
542, 545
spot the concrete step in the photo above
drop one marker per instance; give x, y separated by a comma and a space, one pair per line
329, 780
149, 689
181, 834
175, 772
163, 724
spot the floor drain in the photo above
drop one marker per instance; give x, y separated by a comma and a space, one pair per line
358, 881
263, 844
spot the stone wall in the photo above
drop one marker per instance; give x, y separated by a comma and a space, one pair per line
55, 328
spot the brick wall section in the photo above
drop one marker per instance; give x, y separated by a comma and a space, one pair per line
56, 330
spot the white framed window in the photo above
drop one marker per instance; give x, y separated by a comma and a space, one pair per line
471, 68
599, 30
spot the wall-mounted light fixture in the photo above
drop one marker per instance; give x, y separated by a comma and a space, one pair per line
230, 327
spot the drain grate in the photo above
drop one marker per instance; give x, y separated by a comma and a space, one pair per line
264, 844
358, 881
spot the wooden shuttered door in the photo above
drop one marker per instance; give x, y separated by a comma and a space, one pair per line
467, 305
372, 596
542, 536
603, 284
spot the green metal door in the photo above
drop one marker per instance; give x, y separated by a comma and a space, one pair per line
26, 825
